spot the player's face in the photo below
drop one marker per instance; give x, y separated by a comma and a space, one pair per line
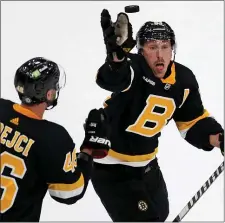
158, 54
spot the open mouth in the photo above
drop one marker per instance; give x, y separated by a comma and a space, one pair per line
159, 65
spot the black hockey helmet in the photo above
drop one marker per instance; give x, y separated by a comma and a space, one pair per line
36, 77
155, 31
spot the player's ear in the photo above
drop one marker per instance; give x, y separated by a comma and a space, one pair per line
51, 94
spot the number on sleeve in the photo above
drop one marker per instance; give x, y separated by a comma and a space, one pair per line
70, 161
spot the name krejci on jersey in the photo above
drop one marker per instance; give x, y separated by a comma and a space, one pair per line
14, 139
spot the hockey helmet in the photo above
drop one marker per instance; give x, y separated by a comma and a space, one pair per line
36, 77
155, 31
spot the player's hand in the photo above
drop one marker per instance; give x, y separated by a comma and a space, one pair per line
217, 141
117, 36
124, 32
96, 133
221, 139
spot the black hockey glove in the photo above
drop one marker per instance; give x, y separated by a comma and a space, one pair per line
96, 134
117, 36
221, 139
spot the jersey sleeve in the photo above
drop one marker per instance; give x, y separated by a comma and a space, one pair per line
65, 172
193, 121
115, 76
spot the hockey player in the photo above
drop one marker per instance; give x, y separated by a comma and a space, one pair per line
38, 155
149, 89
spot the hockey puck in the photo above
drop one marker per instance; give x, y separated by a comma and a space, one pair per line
132, 8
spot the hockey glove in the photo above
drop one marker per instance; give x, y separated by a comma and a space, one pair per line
96, 134
117, 36
221, 139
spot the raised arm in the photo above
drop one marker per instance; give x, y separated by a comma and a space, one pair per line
115, 74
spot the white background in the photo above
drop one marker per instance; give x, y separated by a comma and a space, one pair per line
70, 34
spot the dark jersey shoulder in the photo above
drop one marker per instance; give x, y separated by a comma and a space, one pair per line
5, 102
34, 127
33, 153
36, 136
185, 76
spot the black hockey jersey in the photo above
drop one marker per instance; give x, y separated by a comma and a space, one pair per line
36, 155
141, 105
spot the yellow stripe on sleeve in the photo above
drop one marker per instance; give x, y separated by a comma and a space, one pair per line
68, 187
183, 127
66, 191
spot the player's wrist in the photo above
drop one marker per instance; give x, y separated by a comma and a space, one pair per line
87, 150
84, 156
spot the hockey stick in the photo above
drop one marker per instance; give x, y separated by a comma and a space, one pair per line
197, 196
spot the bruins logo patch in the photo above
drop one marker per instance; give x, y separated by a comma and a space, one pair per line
142, 205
